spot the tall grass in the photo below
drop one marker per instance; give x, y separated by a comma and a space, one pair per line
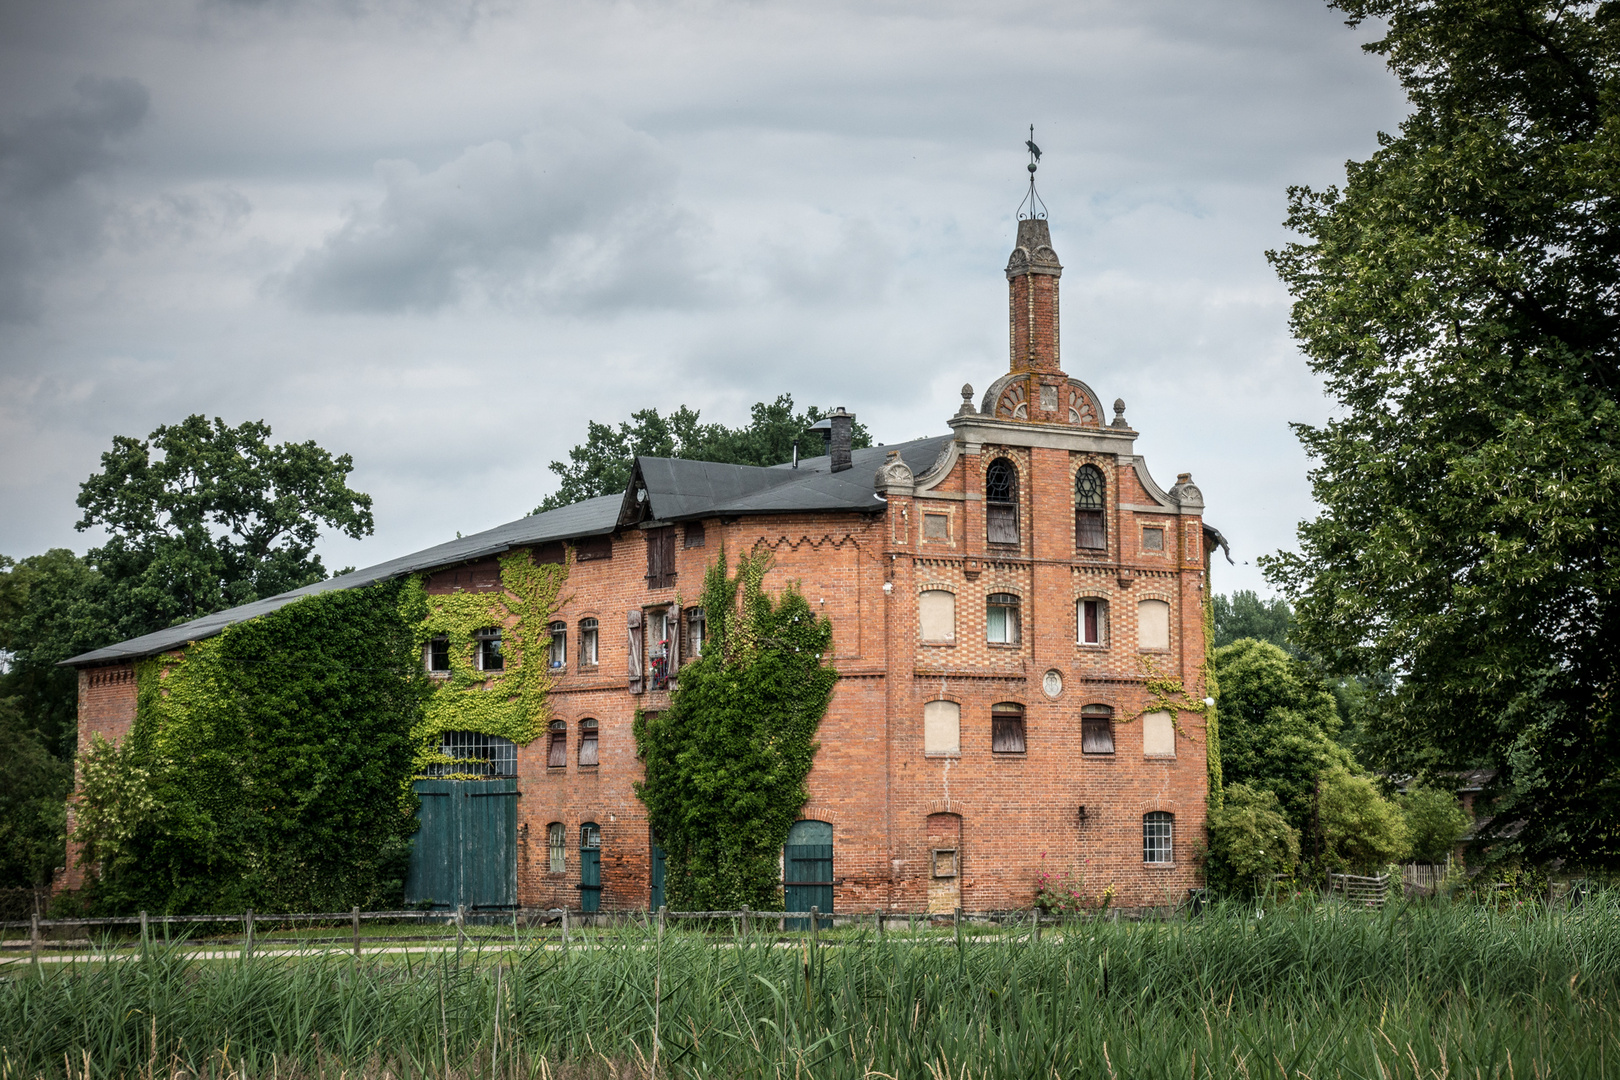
1316, 991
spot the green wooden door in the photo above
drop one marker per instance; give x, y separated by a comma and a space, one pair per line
465, 849
807, 870
655, 898
590, 867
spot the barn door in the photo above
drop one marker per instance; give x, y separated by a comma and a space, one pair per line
807, 870
465, 849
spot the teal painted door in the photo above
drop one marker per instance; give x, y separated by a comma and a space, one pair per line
807, 870
465, 849
655, 898
590, 867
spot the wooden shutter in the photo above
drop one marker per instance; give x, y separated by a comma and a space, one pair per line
661, 557
637, 641
675, 630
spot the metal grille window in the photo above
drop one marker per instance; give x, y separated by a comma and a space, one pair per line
589, 636
487, 644
1156, 836
1096, 729
473, 753
587, 742
1092, 619
559, 646
1001, 619
557, 745
661, 557
1001, 502
1007, 728
1090, 491
557, 843
438, 655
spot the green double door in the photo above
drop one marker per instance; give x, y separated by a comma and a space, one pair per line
465, 850
807, 870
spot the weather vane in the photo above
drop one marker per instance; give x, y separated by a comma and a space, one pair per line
1037, 208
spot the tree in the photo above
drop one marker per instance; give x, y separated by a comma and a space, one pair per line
1245, 615
1278, 723
52, 606
34, 785
1434, 822
201, 517
603, 463
1461, 299
1361, 830
726, 763
1249, 839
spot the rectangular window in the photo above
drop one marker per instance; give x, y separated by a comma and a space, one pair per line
1092, 618
942, 727
660, 649
695, 627
557, 750
587, 742
1158, 735
593, 547
636, 653
557, 841
588, 638
936, 527
1089, 533
438, 657
1152, 539
1001, 524
1001, 619
1007, 729
944, 862
694, 534
661, 557
559, 646
936, 615
1156, 836
1096, 730
488, 649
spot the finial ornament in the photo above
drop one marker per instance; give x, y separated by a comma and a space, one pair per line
1037, 208
1119, 414
967, 408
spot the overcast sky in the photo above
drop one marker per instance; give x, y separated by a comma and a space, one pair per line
440, 236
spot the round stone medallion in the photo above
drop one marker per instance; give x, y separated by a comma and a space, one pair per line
1052, 683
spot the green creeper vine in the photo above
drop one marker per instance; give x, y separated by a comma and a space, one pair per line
512, 703
1212, 727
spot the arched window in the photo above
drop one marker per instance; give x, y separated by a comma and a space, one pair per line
488, 649
936, 615
1096, 729
1090, 494
1007, 728
557, 846
587, 742
557, 751
559, 646
1091, 622
589, 636
1001, 621
1157, 833
1001, 502
942, 727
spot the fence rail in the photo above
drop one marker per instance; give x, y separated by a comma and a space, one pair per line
1368, 891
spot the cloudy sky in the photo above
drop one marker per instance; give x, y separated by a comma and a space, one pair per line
440, 235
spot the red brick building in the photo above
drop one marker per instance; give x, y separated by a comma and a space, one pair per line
1018, 627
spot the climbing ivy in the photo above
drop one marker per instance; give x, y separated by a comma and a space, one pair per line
1212, 726
726, 764
511, 703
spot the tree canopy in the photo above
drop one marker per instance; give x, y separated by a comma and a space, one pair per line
601, 465
1460, 298
1245, 615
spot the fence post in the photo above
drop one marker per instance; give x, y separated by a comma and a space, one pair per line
565, 926
143, 933
461, 917
815, 926
663, 913
956, 921
356, 916
745, 922
877, 917
247, 941
1036, 915
33, 938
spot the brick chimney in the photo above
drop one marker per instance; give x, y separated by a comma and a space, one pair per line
1032, 282
843, 434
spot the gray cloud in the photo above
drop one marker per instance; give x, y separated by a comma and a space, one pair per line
49, 210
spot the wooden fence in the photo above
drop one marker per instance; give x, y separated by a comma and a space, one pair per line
1365, 891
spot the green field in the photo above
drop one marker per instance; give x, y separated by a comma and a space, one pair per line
1444, 990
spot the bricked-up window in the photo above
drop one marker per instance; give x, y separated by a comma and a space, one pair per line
1001, 503
587, 742
1007, 728
557, 842
557, 750
1158, 735
438, 654
1096, 729
1157, 828
942, 727
695, 629
1091, 617
593, 547
487, 649
1090, 492
559, 645
590, 635
1153, 624
936, 527
1152, 539
936, 615
1002, 623
694, 534
661, 558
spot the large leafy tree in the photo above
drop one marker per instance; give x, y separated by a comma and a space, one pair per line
1460, 297
1245, 615
601, 465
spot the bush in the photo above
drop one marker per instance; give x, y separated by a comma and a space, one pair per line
1249, 839
1434, 822
1361, 830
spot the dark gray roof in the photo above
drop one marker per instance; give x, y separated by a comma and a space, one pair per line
676, 490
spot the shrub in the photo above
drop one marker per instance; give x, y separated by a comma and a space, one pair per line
1249, 839
1434, 822
1361, 830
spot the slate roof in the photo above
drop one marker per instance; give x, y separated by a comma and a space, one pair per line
676, 490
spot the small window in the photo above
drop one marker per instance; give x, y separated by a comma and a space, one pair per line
944, 862
1007, 728
1001, 619
438, 654
559, 646
1096, 729
1001, 502
1090, 491
587, 742
942, 727
936, 527
660, 626
592, 548
488, 649
694, 534
695, 626
661, 557
472, 753
589, 635
557, 842
590, 835
936, 615
557, 751
1152, 539
1158, 735
1092, 619
1157, 829
1153, 624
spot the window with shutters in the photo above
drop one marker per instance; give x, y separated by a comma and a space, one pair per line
487, 651
438, 655
695, 628
1157, 836
559, 646
637, 651
661, 557
936, 615
663, 646
1007, 728
1096, 729
557, 842
589, 640
1090, 493
694, 534
557, 749
1001, 503
1002, 624
587, 742
1091, 618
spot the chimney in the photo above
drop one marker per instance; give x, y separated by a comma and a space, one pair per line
1032, 280
843, 434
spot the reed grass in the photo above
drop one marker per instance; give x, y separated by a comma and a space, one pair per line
1308, 991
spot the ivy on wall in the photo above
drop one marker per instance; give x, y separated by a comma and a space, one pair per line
511, 703
726, 764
